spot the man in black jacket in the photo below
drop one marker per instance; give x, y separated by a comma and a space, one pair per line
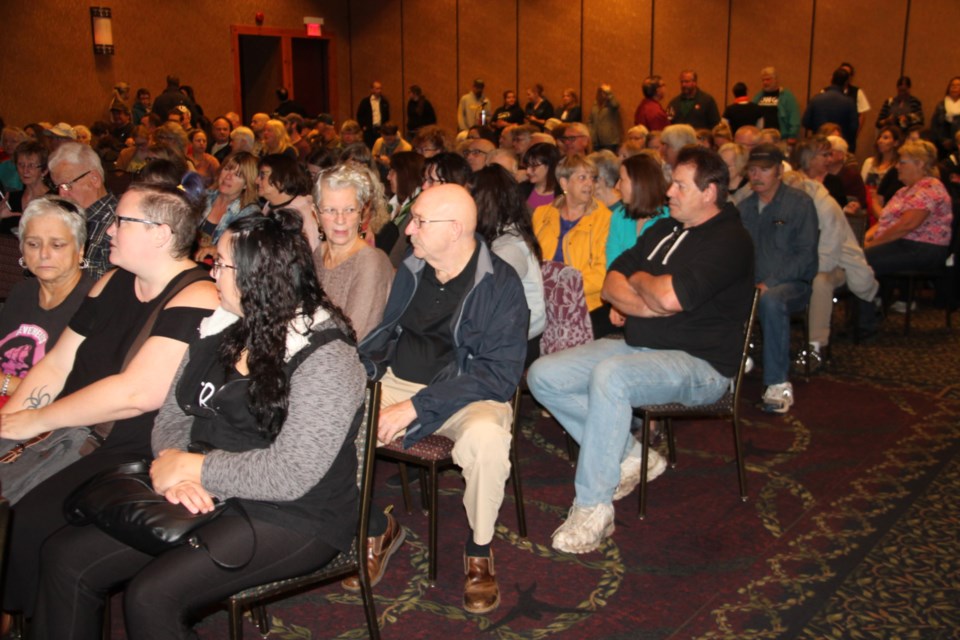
372, 112
449, 354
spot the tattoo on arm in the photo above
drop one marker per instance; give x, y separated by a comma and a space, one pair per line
38, 398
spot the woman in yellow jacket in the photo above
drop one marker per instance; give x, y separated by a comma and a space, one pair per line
574, 230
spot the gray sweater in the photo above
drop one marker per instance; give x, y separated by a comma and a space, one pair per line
325, 391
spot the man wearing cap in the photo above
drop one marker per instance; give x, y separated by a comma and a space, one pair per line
327, 130
122, 123
472, 105
782, 221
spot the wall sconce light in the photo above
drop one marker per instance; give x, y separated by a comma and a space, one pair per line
314, 26
101, 21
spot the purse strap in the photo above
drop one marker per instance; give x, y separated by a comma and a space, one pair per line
99, 432
196, 542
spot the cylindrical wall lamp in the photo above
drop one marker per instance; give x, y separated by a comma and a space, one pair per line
102, 30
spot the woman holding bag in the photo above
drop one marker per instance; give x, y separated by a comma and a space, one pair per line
112, 366
273, 358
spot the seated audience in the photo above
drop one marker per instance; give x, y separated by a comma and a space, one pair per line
353, 274
879, 171
735, 157
503, 221
432, 140
287, 395
840, 261
540, 164
132, 159
439, 377
241, 139
682, 295
276, 140
404, 179
644, 192
111, 369
573, 230
283, 184
235, 196
30, 159
77, 172
52, 234
914, 228
946, 117
782, 222
204, 163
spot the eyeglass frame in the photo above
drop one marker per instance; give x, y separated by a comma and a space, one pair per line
419, 221
68, 186
218, 266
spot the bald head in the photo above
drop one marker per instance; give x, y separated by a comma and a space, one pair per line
444, 219
258, 123
748, 136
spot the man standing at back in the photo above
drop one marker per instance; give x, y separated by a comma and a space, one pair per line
782, 221
833, 106
778, 106
449, 354
372, 112
693, 107
472, 106
682, 294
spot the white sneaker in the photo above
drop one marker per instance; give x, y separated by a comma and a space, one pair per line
630, 472
778, 398
584, 529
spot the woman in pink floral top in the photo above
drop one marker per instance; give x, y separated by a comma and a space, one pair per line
914, 229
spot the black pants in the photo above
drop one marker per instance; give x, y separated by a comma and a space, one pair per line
80, 566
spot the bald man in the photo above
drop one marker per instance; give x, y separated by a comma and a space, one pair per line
449, 354
257, 124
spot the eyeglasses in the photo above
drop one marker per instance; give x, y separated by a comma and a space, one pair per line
68, 186
425, 150
28, 166
336, 213
118, 219
418, 222
474, 152
218, 266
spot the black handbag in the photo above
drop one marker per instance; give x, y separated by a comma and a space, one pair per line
123, 504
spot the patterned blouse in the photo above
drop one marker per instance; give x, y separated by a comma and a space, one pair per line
930, 195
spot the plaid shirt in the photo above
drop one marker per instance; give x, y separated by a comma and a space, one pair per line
99, 217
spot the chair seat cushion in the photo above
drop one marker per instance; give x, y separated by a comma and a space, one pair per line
432, 447
336, 567
723, 405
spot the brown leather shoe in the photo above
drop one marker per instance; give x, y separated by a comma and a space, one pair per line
379, 550
480, 591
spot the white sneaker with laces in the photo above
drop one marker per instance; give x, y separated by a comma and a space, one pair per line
900, 307
778, 398
584, 529
630, 472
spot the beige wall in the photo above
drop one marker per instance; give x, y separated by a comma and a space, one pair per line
443, 44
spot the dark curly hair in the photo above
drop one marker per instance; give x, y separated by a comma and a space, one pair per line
500, 207
277, 282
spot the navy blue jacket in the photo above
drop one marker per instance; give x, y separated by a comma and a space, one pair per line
490, 332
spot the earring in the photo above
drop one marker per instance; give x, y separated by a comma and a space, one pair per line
84, 263
23, 265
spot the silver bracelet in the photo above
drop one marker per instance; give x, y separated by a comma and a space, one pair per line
6, 384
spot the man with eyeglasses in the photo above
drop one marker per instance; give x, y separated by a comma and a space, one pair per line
449, 354
77, 172
476, 153
576, 139
682, 295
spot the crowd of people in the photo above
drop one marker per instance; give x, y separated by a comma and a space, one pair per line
201, 280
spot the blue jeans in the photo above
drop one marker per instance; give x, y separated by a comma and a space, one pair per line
776, 305
592, 389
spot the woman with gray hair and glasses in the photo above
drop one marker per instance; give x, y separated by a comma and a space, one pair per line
354, 275
52, 234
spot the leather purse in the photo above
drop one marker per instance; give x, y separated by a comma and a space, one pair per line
123, 504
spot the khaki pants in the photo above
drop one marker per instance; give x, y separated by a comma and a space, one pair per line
821, 304
481, 435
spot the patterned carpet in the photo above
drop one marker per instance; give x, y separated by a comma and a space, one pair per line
850, 530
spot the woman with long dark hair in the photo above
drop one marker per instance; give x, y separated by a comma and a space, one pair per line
504, 222
274, 389
540, 162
